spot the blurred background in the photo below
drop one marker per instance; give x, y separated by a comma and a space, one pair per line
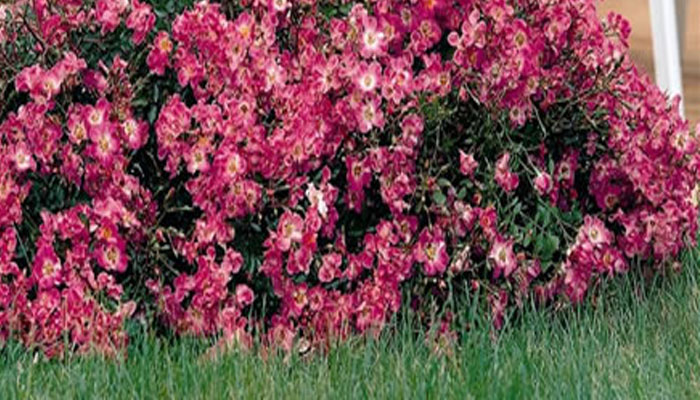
637, 12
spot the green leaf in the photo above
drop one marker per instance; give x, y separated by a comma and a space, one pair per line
546, 245
444, 182
544, 216
545, 265
439, 197
152, 114
462, 193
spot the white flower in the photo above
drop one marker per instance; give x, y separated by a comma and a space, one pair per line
315, 196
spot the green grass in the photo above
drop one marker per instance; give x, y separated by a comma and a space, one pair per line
641, 341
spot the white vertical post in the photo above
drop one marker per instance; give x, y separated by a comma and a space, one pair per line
667, 60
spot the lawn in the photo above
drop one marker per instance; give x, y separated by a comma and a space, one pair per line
641, 341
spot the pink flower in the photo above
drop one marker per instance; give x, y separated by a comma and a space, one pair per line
95, 80
431, 251
278, 6
465, 216
51, 85
369, 76
330, 267
488, 220
97, 117
69, 65
412, 131
298, 299
289, 230
189, 71
467, 164
233, 261
244, 295
299, 259
23, 158
197, 159
112, 256
502, 256
43, 85
135, 133
141, 20
107, 283
594, 232
369, 114
506, 179
373, 40
47, 267
543, 183
233, 164
566, 169
576, 281
359, 175
77, 130
104, 144
316, 198
613, 261
275, 76
398, 81
159, 57
30, 80
108, 13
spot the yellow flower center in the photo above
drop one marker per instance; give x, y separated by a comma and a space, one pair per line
431, 252
165, 45
502, 255
368, 113
48, 268
79, 132
112, 255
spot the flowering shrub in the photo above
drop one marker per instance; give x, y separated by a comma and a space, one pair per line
306, 170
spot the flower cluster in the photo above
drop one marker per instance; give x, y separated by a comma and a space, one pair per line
299, 170
79, 256
61, 270
593, 251
43, 85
